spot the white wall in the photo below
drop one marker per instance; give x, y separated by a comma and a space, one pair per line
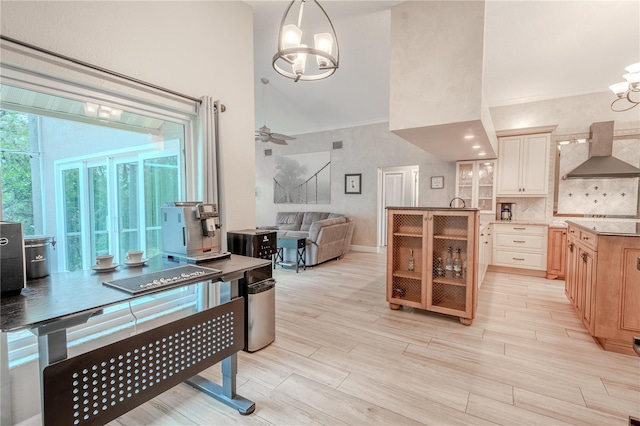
196, 48
365, 149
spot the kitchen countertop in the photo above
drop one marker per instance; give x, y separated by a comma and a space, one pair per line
550, 224
616, 227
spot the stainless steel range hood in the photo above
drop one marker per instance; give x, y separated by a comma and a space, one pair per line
601, 162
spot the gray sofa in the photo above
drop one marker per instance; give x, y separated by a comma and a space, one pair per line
328, 234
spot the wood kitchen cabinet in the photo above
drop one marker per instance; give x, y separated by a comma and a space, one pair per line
523, 165
424, 234
476, 184
602, 276
556, 253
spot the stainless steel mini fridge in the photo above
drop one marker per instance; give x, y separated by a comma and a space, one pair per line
260, 328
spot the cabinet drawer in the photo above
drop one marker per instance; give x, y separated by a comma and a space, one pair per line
520, 260
588, 239
514, 228
524, 242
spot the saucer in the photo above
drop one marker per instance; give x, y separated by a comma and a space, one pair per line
141, 263
107, 269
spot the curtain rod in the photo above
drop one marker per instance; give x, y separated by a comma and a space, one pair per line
97, 68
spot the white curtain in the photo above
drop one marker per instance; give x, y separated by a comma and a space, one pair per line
207, 161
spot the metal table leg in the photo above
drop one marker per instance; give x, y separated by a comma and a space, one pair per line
227, 392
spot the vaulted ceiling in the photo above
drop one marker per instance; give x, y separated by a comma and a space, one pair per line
534, 50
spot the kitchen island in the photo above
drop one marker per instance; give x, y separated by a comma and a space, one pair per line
603, 279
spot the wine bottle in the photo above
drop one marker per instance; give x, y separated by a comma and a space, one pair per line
457, 265
448, 264
411, 265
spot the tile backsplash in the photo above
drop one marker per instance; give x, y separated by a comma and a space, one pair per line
598, 196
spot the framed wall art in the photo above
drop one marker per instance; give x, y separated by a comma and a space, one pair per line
352, 183
437, 182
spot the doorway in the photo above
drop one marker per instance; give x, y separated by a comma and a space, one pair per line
397, 187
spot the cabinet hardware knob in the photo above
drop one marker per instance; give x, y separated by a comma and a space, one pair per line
585, 238
584, 257
571, 247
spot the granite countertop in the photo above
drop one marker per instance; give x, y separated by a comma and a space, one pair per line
614, 227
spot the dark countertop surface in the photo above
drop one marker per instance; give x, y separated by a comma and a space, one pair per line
466, 209
616, 227
65, 294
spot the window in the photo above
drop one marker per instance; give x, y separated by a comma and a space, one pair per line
93, 169
128, 186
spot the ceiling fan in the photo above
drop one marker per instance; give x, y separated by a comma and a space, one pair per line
264, 133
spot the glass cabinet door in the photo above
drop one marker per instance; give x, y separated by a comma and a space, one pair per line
486, 186
475, 184
464, 185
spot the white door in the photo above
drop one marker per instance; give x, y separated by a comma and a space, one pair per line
398, 187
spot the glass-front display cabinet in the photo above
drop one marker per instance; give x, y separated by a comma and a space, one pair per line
476, 184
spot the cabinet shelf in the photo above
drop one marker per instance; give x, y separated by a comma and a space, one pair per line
405, 234
462, 282
450, 237
412, 275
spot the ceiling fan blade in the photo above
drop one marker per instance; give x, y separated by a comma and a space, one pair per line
281, 136
278, 141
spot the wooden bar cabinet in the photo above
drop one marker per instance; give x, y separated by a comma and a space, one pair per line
425, 234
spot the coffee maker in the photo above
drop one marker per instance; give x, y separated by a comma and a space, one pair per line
190, 231
505, 211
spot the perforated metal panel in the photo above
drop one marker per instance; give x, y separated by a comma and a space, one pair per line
98, 386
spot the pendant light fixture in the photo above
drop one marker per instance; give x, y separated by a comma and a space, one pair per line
627, 92
294, 37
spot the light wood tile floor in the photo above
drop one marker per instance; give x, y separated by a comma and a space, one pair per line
341, 356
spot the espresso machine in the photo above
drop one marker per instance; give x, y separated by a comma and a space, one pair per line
505, 211
190, 230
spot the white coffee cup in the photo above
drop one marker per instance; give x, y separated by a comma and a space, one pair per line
134, 256
104, 261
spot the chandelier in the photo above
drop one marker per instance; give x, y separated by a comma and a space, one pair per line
627, 89
293, 49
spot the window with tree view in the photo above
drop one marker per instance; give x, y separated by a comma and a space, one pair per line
93, 176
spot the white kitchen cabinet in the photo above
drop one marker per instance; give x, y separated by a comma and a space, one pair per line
476, 184
485, 248
523, 165
520, 246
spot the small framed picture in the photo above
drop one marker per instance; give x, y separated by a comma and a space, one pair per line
437, 182
352, 184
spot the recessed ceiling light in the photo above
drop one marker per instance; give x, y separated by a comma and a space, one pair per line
476, 147
482, 153
469, 137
